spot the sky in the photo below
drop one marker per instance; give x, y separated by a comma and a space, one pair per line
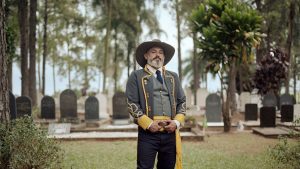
167, 24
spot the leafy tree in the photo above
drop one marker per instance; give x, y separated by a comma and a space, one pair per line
227, 32
271, 72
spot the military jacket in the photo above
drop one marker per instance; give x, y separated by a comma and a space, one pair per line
139, 92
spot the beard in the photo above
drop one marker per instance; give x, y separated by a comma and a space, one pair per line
156, 62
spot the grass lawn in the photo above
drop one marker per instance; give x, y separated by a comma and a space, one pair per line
222, 151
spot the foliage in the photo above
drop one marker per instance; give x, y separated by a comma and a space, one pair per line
24, 146
287, 153
271, 72
227, 29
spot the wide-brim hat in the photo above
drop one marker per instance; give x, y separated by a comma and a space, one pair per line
145, 46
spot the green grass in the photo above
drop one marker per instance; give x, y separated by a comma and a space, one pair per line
223, 151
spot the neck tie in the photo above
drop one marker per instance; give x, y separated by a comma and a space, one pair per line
159, 77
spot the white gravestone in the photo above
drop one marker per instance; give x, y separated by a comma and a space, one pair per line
103, 111
296, 111
201, 98
244, 99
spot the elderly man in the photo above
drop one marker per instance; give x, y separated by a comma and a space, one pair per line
157, 103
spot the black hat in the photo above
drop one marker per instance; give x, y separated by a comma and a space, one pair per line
145, 46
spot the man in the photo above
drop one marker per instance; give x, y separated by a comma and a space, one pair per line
157, 103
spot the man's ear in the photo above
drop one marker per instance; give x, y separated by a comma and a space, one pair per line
146, 56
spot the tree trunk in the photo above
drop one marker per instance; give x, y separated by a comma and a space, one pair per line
230, 99
116, 61
129, 47
86, 81
178, 22
54, 81
195, 70
32, 52
225, 106
232, 86
107, 39
23, 24
289, 43
4, 96
45, 51
9, 74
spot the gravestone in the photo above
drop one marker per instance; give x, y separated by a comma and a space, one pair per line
251, 112
23, 106
189, 97
296, 111
269, 100
47, 108
286, 99
244, 99
201, 97
287, 113
120, 109
268, 117
68, 104
91, 108
103, 110
213, 108
12, 106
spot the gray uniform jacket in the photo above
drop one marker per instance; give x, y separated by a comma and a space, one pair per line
139, 92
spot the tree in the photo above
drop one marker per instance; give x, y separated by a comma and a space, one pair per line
12, 36
4, 97
271, 72
45, 51
23, 24
32, 51
178, 24
227, 32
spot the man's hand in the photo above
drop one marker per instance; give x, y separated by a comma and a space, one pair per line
171, 127
155, 127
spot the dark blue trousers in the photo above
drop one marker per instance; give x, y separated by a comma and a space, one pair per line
161, 144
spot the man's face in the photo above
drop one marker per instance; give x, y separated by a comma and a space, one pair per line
155, 57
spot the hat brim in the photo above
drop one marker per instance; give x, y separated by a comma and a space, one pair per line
145, 46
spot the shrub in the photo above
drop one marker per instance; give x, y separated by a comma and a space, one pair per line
288, 154
24, 146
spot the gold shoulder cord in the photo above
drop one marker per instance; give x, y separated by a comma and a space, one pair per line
143, 85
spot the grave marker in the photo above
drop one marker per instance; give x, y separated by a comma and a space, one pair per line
267, 117
23, 106
251, 112
68, 104
213, 108
91, 108
120, 109
47, 108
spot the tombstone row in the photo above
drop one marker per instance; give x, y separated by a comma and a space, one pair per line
267, 112
21, 106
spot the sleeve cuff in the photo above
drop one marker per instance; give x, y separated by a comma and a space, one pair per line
180, 118
177, 123
144, 121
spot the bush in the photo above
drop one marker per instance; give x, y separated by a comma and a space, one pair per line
288, 154
24, 146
